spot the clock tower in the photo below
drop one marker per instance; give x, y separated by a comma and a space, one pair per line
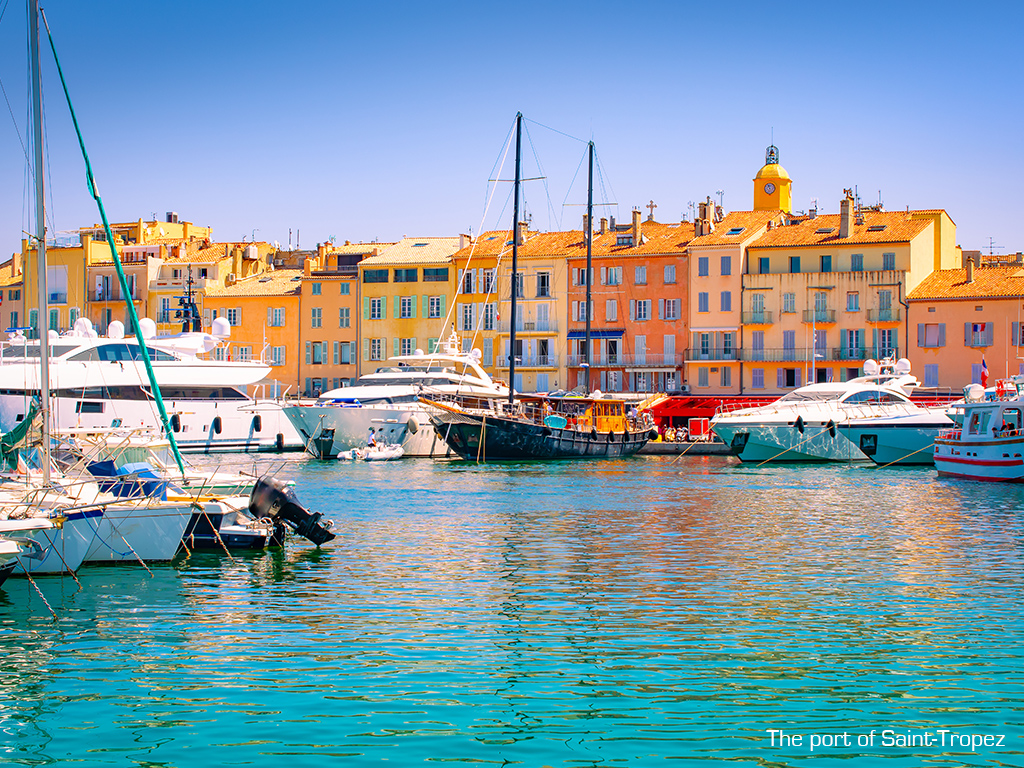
772, 185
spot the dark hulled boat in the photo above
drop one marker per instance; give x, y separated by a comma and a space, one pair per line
543, 428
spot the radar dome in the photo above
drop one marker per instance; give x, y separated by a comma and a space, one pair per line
148, 327
83, 326
870, 367
52, 335
974, 393
115, 330
221, 328
477, 354
418, 351
903, 366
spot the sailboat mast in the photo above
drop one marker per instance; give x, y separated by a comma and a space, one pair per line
42, 323
515, 262
590, 269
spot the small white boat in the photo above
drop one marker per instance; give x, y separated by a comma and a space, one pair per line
988, 442
373, 453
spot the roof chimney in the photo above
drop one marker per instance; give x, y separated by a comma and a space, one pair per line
846, 214
521, 229
604, 225
586, 223
970, 269
636, 226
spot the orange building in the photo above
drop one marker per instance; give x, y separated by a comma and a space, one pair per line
264, 312
960, 318
639, 297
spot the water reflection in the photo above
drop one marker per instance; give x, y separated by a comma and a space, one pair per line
545, 614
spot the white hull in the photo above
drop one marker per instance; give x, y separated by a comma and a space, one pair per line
197, 421
132, 530
993, 460
61, 550
784, 442
896, 441
351, 426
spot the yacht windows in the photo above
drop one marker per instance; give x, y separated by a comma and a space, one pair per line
120, 353
198, 393
1011, 424
874, 396
979, 422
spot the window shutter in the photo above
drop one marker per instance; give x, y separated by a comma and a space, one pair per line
920, 335
632, 309
942, 334
270, 316
604, 275
967, 334
366, 349
398, 306
661, 309
874, 342
462, 282
309, 352
797, 381
426, 306
366, 307
395, 347
591, 310
337, 353
781, 377
478, 313
442, 305
843, 345
1016, 335
412, 306
414, 345
989, 333
575, 310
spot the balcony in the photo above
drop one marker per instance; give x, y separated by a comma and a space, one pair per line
57, 298
802, 355
111, 295
884, 316
819, 315
531, 361
720, 355
756, 318
650, 359
529, 326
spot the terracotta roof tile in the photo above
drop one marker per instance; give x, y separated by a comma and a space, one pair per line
415, 250
751, 222
988, 283
899, 227
656, 239
278, 282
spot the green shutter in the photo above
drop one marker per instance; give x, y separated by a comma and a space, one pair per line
366, 349
309, 353
426, 306
395, 346
398, 306
412, 302
442, 305
366, 307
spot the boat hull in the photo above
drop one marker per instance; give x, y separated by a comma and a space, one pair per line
331, 430
511, 439
132, 531
784, 442
888, 444
60, 549
999, 461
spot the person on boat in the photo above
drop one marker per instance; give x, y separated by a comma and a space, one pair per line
371, 439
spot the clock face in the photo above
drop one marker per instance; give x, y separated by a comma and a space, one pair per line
769, 188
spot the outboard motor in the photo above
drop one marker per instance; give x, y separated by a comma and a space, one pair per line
273, 499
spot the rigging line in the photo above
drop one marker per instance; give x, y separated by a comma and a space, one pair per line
499, 163
600, 174
572, 184
555, 130
543, 176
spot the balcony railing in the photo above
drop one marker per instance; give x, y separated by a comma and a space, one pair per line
721, 354
819, 315
834, 354
529, 326
112, 295
883, 315
633, 361
756, 318
531, 361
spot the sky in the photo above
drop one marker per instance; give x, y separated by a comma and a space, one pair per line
374, 121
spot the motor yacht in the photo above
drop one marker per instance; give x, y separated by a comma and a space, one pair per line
812, 423
388, 402
100, 382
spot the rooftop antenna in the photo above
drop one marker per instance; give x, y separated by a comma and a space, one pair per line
721, 194
992, 245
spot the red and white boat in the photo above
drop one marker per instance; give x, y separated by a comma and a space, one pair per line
988, 442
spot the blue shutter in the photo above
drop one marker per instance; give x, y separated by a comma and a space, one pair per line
942, 336
920, 335
781, 377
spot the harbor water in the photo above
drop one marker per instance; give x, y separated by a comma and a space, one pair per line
649, 611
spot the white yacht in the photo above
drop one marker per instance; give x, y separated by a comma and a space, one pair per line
812, 423
99, 383
388, 402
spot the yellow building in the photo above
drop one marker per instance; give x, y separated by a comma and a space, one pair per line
406, 295
823, 292
773, 189
265, 315
12, 286
65, 283
328, 340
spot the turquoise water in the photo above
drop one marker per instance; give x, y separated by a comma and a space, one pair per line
635, 612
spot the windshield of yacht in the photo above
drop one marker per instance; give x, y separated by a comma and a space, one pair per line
875, 396
810, 396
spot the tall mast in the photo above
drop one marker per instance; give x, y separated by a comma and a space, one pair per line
515, 263
42, 322
590, 245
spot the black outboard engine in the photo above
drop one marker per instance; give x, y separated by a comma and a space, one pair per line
271, 498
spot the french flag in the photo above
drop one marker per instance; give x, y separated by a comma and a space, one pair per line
984, 372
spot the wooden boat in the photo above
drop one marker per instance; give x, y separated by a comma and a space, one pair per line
544, 427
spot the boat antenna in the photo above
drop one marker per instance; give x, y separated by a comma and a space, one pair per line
133, 316
590, 244
42, 324
515, 261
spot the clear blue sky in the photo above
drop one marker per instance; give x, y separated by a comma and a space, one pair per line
377, 120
